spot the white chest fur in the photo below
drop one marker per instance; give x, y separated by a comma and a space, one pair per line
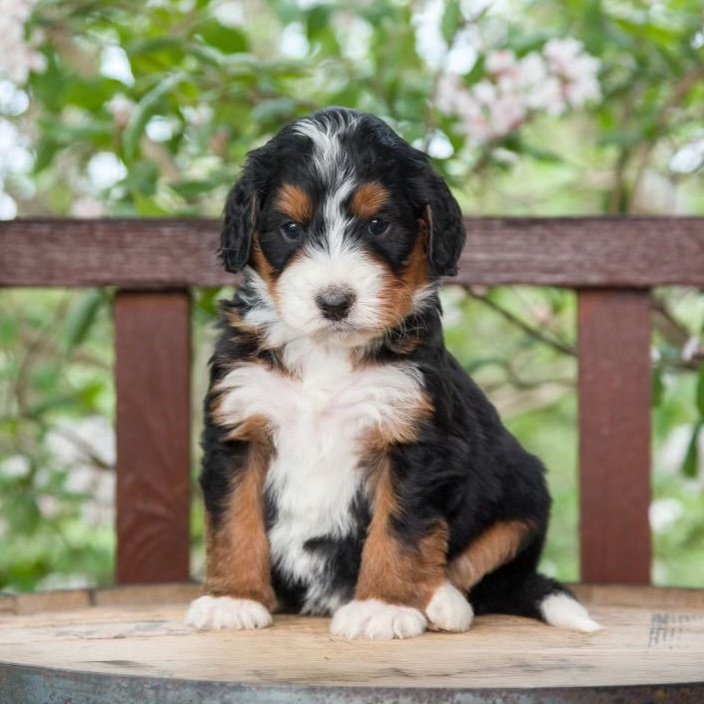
319, 418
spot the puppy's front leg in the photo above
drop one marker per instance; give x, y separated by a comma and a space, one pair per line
401, 585
238, 591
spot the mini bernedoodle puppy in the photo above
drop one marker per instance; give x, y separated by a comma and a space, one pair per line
350, 465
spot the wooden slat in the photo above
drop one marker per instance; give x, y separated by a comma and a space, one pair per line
614, 329
133, 254
584, 252
152, 376
164, 253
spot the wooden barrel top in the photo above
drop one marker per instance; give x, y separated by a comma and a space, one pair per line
129, 644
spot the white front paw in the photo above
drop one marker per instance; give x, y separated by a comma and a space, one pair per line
449, 610
216, 612
373, 619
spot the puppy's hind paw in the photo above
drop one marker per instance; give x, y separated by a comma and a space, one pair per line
563, 611
376, 620
217, 612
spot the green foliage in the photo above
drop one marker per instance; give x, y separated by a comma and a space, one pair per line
150, 111
55, 448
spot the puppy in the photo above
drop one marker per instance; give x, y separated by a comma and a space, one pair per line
350, 466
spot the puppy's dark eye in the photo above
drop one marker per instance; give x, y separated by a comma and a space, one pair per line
292, 231
378, 226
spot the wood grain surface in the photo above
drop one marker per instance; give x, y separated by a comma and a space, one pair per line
166, 253
614, 380
152, 377
656, 637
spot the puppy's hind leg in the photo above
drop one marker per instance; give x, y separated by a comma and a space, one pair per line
532, 595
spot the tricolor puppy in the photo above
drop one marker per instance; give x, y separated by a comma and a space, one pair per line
350, 466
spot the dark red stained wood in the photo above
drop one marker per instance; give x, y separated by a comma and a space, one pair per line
152, 376
572, 252
133, 254
614, 332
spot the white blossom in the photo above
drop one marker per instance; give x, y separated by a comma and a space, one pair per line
576, 69
87, 207
17, 56
121, 108
115, 63
105, 169
688, 158
664, 513
559, 78
499, 62
229, 13
87, 446
198, 115
16, 161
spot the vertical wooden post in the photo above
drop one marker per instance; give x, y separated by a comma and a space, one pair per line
614, 331
152, 376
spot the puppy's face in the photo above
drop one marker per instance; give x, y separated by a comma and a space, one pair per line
335, 217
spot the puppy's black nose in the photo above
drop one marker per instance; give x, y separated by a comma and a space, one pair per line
335, 304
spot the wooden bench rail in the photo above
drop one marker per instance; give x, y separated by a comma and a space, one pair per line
165, 253
612, 263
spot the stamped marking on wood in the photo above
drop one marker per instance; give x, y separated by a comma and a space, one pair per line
673, 631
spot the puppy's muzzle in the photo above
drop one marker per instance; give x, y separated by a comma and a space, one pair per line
335, 304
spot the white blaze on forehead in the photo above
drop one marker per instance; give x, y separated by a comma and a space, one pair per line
328, 156
337, 222
334, 168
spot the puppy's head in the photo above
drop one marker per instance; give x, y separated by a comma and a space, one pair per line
345, 224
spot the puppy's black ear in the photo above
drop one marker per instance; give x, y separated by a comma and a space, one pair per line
241, 212
446, 233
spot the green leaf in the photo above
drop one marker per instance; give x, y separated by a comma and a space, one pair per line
207, 300
147, 207
274, 110
147, 107
318, 22
658, 386
228, 40
82, 317
690, 466
195, 188
23, 513
451, 19
700, 391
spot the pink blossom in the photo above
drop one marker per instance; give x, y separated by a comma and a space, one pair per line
561, 77
500, 61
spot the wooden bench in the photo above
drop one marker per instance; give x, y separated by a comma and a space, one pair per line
612, 263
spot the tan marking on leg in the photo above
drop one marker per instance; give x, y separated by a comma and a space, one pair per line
493, 548
393, 572
238, 555
295, 203
368, 200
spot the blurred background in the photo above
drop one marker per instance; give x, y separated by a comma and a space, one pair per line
545, 107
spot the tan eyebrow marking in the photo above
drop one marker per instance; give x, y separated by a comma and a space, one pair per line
295, 203
368, 200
